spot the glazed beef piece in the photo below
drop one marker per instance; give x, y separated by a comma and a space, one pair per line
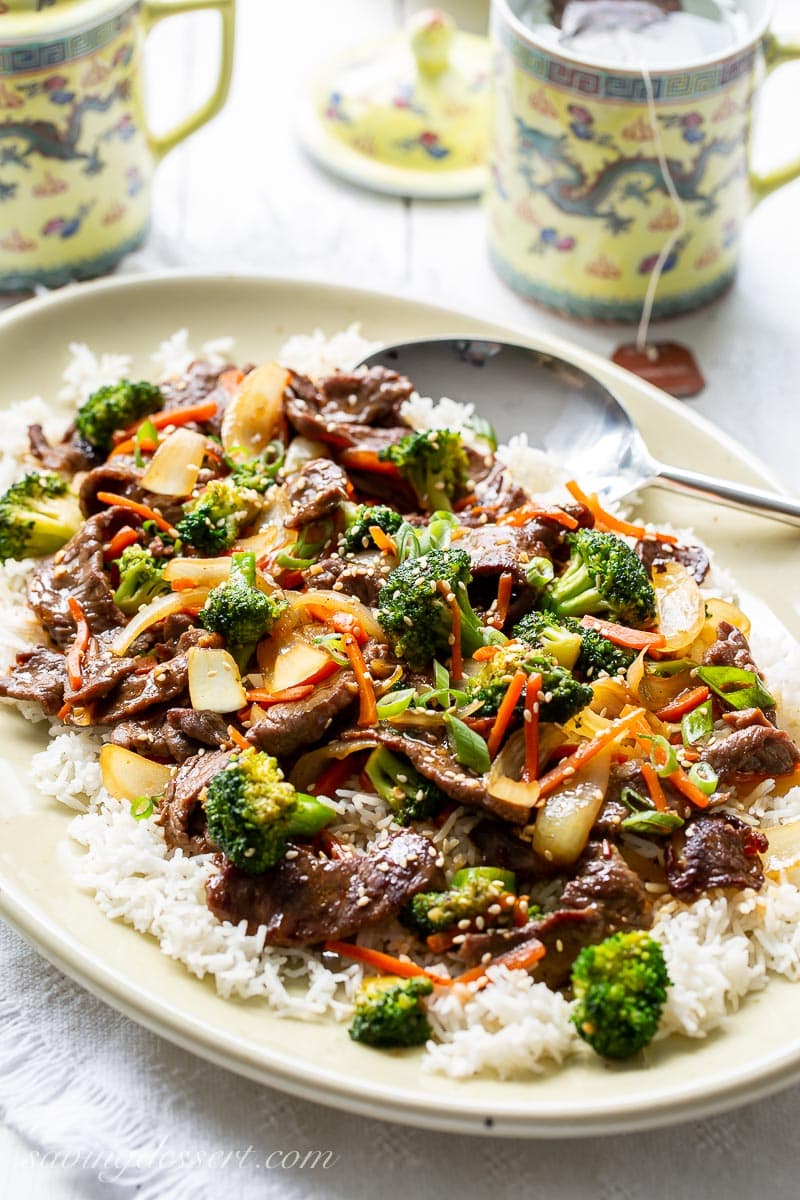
500, 846
496, 549
208, 728
614, 810
77, 571
101, 670
315, 491
39, 675
71, 454
297, 724
310, 898
360, 575
122, 477
334, 409
200, 381
732, 649
714, 851
694, 558
495, 495
153, 737
181, 815
755, 747
162, 683
605, 883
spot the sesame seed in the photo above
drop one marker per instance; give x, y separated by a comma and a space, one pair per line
487, 957
464, 923
480, 923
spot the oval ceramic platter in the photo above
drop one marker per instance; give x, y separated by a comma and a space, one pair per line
756, 1052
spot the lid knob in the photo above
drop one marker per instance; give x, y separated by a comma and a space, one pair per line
431, 34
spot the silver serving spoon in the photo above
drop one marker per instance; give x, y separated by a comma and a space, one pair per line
565, 411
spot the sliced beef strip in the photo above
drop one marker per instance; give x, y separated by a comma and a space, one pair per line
496, 549
39, 675
755, 747
309, 899
714, 851
77, 571
495, 495
563, 934
360, 575
315, 491
122, 477
162, 683
434, 761
181, 815
732, 649
71, 454
694, 558
606, 883
332, 410
297, 724
209, 728
500, 846
154, 738
199, 382
101, 670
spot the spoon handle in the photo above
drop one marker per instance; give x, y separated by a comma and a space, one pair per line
735, 495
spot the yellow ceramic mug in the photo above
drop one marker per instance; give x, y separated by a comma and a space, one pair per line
76, 155
578, 209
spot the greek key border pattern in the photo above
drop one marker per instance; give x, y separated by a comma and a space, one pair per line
41, 56
605, 85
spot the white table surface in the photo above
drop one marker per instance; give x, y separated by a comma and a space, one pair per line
241, 195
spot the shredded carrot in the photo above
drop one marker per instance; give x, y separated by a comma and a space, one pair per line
572, 764
331, 845
386, 963
230, 379
683, 704
122, 538
368, 708
438, 943
465, 502
531, 727
336, 775
81, 642
341, 622
505, 712
129, 446
382, 540
485, 652
456, 658
504, 586
606, 522
621, 635
284, 696
521, 958
237, 739
683, 783
481, 725
530, 512
141, 510
183, 585
64, 711
367, 460
204, 410
654, 787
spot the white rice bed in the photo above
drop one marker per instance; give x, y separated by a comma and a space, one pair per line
718, 949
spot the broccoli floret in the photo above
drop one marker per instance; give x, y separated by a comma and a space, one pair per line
239, 610
214, 519
141, 579
561, 696
252, 811
113, 407
603, 576
620, 986
38, 514
583, 650
432, 912
435, 463
357, 535
389, 1012
416, 615
258, 474
411, 796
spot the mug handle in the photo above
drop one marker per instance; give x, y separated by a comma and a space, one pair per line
776, 53
154, 11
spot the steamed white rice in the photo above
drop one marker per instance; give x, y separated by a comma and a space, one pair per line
718, 949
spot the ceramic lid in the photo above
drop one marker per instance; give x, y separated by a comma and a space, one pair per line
41, 20
407, 115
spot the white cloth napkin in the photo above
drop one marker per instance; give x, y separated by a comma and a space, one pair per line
76, 1078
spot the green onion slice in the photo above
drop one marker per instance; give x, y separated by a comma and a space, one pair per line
653, 822
705, 777
697, 724
662, 756
142, 808
394, 703
468, 747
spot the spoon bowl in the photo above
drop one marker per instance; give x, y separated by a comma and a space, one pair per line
565, 411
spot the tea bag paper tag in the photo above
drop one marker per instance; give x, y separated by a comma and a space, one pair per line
667, 365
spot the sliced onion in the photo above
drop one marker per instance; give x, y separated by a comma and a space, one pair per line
214, 681
309, 767
722, 610
302, 450
291, 662
654, 691
207, 572
254, 415
504, 782
681, 607
334, 602
609, 696
174, 467
563, 825
155, 611
127, 776
784, 846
